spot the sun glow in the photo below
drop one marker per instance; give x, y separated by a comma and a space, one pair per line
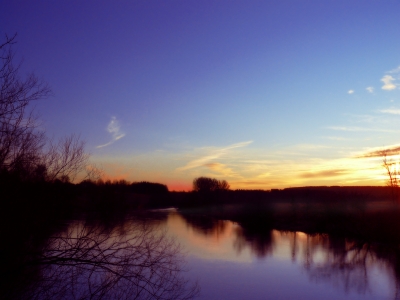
253, 174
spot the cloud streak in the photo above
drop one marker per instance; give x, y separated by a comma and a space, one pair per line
359, 129
394, 71
325, 173
392, 111
222, 169
211, 156
114, 129
388, 151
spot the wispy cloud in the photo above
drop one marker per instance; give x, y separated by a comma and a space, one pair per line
214, 154
114, 129
358, 129
309, 147
388, 83
324, 173
264, 175
380, 152
335, 138
393, 111
370, 89
395, 70
365, 118
222, 169
350, 92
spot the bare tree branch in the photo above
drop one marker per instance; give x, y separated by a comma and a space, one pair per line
20, 142
66, 158
89, 262
393, 174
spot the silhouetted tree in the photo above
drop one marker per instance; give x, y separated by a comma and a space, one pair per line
20, 142
393, 173
24, 150
66, 158
206, 184
223, 185
148, 188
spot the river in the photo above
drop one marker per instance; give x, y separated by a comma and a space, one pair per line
232, 264
168, 255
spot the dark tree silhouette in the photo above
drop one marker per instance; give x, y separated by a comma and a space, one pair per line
20, 142
66, 158
205, 184
393, 174
24, 150
148, 188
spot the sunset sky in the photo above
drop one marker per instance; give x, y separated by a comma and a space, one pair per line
263, 94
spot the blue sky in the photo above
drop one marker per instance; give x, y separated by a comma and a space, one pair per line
264, 94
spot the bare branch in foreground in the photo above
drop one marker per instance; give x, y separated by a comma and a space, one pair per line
92, 263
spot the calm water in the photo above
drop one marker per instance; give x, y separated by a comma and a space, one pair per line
164, 254
230, 264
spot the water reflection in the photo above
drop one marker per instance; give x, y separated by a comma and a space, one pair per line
344, 264
351, 266
133, 260
261, 243
206, 242
134, 257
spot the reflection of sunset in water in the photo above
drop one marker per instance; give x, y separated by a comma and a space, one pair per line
339, 264
226, 241
216, 243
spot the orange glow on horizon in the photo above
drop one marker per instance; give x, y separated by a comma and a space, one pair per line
351, 171
179, 187
172, 186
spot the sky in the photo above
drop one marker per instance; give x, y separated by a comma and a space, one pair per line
263, 94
